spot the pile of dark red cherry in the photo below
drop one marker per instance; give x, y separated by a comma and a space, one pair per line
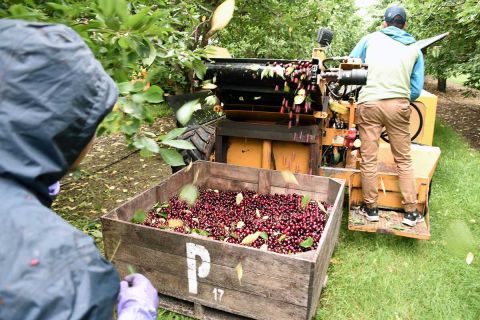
287, 223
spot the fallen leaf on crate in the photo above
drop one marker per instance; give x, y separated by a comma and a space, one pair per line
282, 237
320, 205
251, 238
264, 247
139, 216
469, 259
189, 166
264, 235
289, 177
257, 213
240, 224
305, 200
189, 194
239, 198
307, 243
175, 223
383, 186
239, 269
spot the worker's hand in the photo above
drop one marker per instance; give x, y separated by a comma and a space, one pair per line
137, 299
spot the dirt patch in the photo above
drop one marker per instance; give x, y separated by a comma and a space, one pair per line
110, 175
460, 112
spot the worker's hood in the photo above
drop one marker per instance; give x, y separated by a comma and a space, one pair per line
399, 35
53, 95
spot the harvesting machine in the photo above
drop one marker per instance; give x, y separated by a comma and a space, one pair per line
299, 116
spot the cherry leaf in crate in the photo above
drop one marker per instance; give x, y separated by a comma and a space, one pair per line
239, 269
289, 177
305, 200
264, 235
201, 232
240, 224
264, 247
175, 223
257, 213
139, 216
189, 194
320, 205
251, 238
307, 243
239, 198
469, 259
282, 237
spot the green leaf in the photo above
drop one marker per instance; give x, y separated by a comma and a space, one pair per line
146, 143
305, 200
179, 144
199, 69
125, 87
139, 217
201, 232
154, 94
151, 56
264, 235
138, 20
138, 86
172, 157
123, 43
239, 198
130, 269
189, 194
184, 114
307, 243
172, 134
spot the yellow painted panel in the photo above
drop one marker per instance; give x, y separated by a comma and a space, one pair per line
245, 152
427, 104
291, 156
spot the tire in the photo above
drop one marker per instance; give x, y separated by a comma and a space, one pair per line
203, 138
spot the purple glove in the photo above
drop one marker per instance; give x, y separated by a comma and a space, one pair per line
54, 189
138, 299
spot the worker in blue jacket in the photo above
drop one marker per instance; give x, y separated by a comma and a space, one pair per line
53, 95
395, 78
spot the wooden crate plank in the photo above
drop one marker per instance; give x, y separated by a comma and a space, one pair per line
234, 301
390, 222
233, 172
390, 182
268, 286
327, 245
305, 182
143, 201
264, 181
228, 184
225, 254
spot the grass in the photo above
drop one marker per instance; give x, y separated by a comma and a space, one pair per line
374, 276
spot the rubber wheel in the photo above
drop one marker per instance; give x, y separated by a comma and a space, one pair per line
203, 138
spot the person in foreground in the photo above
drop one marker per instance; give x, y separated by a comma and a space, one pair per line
395, 77
53, 95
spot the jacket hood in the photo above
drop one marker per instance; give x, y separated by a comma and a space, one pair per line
399, 35
53, 95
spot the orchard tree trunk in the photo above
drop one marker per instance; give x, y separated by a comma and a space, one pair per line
442, 84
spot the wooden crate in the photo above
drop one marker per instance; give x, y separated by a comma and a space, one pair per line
197, 276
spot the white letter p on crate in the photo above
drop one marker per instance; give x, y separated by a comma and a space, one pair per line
194, 250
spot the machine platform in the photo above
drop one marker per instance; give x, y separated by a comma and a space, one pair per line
390, 222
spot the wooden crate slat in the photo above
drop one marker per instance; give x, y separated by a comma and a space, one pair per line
228, 184
282, 289
305, 182
225, 171
226, 254
234, 301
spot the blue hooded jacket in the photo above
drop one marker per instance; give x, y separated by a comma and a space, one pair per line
400, 35
53, 95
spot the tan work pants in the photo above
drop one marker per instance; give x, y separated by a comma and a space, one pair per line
394, 115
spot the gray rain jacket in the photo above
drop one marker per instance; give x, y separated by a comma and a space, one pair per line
53, 95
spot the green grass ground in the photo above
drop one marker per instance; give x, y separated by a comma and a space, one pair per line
374, 276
